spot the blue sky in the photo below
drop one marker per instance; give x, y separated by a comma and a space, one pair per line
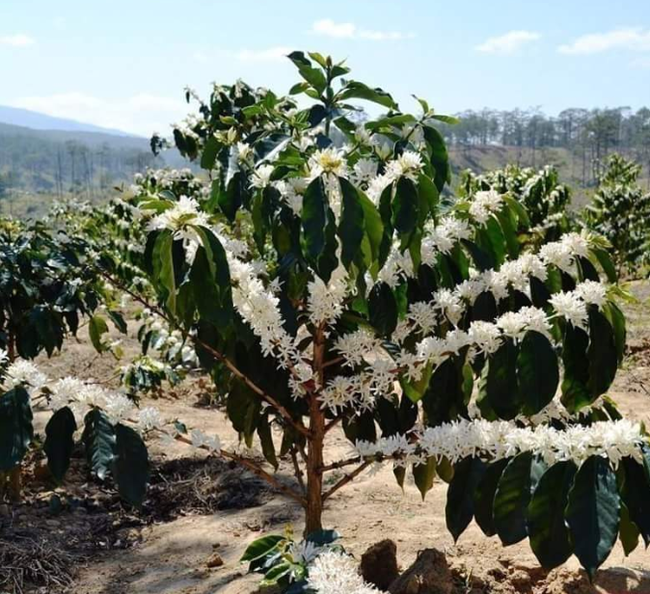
124, 64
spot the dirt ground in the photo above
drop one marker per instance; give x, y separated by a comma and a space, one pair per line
199, 507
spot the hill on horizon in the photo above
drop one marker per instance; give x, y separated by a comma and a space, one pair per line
35, 120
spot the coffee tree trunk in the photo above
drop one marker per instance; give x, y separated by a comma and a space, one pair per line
314, 506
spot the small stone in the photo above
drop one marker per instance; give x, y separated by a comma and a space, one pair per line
5, 511
214, 560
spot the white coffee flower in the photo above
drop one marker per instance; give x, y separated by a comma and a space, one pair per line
261, 177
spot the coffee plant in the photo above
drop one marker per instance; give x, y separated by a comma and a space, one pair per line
545, 199
339, 292
619, 211
49, 288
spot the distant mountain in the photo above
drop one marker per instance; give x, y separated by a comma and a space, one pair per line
40, 121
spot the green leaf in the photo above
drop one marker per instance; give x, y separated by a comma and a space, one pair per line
277, 572
538, 373
97, 327
99, 441
210, 150
424, 475
606, 264
314, 218
602, 354
16, 429
428, 192
313, 76
628, 532
636, 495
444, 398
484, 497
261, 547
501, 381
357, 90
382, 308
231, 200
511, 499
130, 465
575, 393
593, 513
59, 441
351, 225
118, 320
548, 532
266, 440
164, 269
373, 224
439, 156
617, 320
460, 495
405, 206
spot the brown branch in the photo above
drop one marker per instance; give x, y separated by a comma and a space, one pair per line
333, 423
332, 362
297, 470
298, 426
346, 479
340, 464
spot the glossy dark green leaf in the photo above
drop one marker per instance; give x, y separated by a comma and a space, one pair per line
547, 529
628, 531
575, 393
511, 499
459, 510
602, 354
593, 513
351, 226
484, 497
99, 441
538, 372
266, 441
636, 495
16, 429
59, 441
382, 308
261, 547
501, 381
405, 206
357, 90
314, 218
209, 156
130, 465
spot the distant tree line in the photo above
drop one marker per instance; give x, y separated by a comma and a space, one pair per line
589, 135
31, 163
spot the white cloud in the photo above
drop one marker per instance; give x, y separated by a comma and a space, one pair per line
330, 28
140, 114
18, 40
508, 43
630, 38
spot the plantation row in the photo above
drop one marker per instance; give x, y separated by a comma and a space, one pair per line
321, 273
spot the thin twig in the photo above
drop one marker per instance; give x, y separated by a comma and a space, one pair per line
298, 426
297, 470
333, 423
341, 464
346, 479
